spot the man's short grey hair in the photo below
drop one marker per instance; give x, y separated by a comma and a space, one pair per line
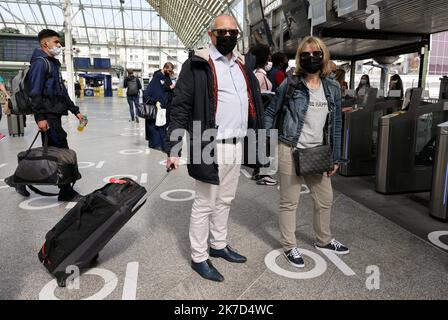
213, 22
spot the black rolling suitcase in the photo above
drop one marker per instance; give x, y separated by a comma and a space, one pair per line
83, 232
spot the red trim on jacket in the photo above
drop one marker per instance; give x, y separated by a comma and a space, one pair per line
215, 83
252, 112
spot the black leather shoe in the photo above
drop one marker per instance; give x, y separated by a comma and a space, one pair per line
207, 271
228, 254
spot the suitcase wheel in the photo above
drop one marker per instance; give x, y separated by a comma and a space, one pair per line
94, 262
62, 282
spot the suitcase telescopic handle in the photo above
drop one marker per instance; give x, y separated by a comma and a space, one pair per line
148, 194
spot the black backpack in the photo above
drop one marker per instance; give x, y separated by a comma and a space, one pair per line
20, 99
133, 87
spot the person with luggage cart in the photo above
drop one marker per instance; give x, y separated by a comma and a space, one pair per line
4, 97
50, 100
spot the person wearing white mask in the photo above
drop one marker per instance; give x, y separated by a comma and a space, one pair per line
263, 65
50, 100
364, 84
262, 54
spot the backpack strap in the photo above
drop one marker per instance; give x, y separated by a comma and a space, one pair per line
48, 69
41, 193
45, 194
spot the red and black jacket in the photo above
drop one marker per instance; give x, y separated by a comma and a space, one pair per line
195, 99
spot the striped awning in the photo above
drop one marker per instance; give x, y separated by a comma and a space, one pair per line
189, 18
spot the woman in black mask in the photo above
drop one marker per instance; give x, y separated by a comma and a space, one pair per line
307, 112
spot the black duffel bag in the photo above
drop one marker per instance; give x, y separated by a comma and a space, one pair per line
147, 111
77, 239
45, 166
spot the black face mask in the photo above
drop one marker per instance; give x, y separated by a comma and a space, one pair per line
225, 45
312, 64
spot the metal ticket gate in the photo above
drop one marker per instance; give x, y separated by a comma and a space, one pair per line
360, 134
439, 194
406, 146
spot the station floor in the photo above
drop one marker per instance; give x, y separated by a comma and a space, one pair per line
149, 257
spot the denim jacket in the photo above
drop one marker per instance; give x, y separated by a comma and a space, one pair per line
295, 111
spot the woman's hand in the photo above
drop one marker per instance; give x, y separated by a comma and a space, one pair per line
333, 171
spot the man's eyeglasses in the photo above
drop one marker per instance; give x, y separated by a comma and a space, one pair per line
305, 55
223, 32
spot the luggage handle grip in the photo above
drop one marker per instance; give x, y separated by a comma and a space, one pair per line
45, 151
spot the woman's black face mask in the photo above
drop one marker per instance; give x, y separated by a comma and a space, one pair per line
311, 64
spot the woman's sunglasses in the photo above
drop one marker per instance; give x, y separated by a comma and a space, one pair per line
305, 55
223, 32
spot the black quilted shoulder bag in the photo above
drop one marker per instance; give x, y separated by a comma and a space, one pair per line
315, 160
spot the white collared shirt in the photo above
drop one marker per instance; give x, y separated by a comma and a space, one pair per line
233, 99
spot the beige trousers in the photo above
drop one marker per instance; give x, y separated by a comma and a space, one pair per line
211, 205
290, 186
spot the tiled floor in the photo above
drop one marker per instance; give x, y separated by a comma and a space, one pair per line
157, 237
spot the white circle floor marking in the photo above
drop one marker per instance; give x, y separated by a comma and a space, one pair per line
166, 195
182, 162
434, 237
305, 189
118, 176
131, 152
110, 279
319, 268
3, 187
26, 205
85, 164
131, 134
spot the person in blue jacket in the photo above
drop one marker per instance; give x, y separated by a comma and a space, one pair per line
160, 89
50, 100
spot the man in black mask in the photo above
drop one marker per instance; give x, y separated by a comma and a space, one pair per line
215, 89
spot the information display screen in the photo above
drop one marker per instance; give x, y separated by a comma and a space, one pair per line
17, 48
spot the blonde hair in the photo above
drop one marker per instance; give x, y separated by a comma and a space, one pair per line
320, 45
